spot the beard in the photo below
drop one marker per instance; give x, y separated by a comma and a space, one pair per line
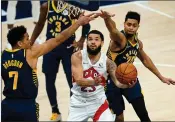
93, 52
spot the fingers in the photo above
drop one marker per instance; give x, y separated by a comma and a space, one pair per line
132, 83
89, 15
172, 81
82, 14
105, 13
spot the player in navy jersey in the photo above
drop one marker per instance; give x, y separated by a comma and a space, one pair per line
19, 71
59, 16
125, 47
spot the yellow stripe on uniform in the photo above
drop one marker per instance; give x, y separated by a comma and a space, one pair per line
8, 50
142, 92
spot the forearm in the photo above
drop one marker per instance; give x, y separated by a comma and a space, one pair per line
150, 65
85, 30
110, 24
116, 82
36, 32
111, 67
85, 82
115, 34
64, 35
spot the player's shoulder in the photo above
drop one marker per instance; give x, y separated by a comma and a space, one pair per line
140, 44
77, 55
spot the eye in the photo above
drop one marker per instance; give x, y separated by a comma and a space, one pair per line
134, 25
129, 24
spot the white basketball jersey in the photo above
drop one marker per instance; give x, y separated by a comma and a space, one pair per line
90, 71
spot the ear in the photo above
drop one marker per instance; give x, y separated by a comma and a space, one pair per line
20, 43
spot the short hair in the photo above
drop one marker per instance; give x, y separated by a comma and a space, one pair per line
132, 15
96, 32
16, 34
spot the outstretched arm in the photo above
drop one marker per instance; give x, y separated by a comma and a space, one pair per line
147, 62
40, 24
85, 29
38, 50
115, 34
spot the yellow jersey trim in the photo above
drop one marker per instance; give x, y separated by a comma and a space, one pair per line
135, 38
8, 50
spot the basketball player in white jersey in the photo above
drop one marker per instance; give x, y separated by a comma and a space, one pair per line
90, 69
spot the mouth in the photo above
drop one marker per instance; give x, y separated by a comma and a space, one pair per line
130, 31
92, 47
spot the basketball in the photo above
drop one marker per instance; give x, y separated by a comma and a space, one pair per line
126, 73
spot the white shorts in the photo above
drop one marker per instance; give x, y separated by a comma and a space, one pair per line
81, 109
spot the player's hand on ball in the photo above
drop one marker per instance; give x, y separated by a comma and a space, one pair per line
168, 80
130, 85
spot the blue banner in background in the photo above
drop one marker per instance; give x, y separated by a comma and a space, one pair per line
24, 8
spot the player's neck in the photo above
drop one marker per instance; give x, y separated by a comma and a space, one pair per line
94, 58
15, 47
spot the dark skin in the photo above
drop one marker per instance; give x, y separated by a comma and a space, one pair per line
118, 42
41, 22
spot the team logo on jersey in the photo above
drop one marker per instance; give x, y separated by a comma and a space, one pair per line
100, 65
65, 12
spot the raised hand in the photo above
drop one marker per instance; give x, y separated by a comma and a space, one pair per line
105, 14
85, 19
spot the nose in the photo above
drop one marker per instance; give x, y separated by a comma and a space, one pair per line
131, 28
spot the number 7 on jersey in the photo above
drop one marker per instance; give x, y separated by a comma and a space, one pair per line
15, 75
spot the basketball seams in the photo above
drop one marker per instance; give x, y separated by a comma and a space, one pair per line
124, 68
131, 71
124, 71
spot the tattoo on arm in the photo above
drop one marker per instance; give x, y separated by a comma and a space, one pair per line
111, 67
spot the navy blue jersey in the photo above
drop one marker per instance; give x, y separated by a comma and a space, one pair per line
19, 78
128, 54
60, 18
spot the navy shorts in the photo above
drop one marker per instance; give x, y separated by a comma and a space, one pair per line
114, 96
19, 110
